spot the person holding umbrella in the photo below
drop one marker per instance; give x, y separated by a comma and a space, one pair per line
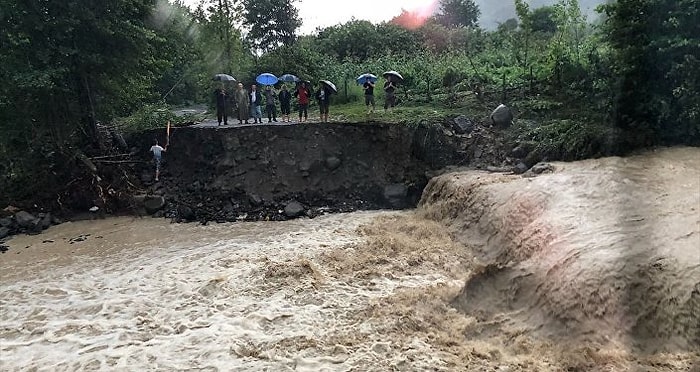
389, 89
303, 93
285, 103
323, 95
221, 98
368, 87
255, 102
242, 104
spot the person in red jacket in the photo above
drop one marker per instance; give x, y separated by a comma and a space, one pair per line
303, 93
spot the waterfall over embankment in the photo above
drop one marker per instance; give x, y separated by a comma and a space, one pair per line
597, 250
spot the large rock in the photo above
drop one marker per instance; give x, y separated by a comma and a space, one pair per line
542, 167
255, 200
4, 232
462, 124
46, 221
154, 203
332, 162
502, 116
25, 219
520, 168
293, 209
186, 213
6, 222
396, 195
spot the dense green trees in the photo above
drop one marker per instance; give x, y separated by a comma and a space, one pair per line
271, 23
456, 13
656, 55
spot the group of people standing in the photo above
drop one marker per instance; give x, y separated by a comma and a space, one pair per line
389, 97
248, 104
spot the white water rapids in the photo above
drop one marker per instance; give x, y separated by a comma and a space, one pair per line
155, 295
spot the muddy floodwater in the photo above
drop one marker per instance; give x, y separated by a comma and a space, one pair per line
594, 267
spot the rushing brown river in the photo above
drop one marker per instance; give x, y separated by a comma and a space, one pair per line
380, 291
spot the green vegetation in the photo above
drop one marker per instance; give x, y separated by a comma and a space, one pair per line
579, 89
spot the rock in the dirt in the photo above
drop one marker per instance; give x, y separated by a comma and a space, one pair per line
255, 200
396, 195
293, 209
46, 221
520, 168
25, 219
6, 222
186, 213
332, 162
462, 124
4, 232
305, 166
502, 116
519, 152
154, 203
542, 168
495, 169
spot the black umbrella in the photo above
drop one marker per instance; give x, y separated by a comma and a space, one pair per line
330, 85
393, 73
289, 78
223, 77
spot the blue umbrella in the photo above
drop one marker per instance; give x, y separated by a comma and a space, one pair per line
362, 78
266, 79
289, 78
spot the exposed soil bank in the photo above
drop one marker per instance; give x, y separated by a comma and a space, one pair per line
601, 251
282, 171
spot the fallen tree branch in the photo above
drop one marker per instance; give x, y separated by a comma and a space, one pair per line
109, 156
119, 161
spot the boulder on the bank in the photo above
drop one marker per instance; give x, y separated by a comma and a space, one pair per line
542, 167
520, 168
153, 203
332, 162
519, 152
462, 124
25, 219
502, 116
255, 200
46, 221
6, 222
396, 195
185, 213
4, 232
293, 209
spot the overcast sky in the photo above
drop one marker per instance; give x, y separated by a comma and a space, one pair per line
324, 13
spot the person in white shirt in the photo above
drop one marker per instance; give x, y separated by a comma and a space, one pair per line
255, 102
157, 152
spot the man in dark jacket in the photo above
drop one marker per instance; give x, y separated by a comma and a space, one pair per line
323, 95
285, 103
270, 104
221, 98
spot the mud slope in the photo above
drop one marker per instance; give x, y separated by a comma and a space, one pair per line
361, 166
599, 250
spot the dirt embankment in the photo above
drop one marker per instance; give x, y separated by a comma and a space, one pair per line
599, 251
255, 172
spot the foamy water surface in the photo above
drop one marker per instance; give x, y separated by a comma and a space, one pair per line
145, 294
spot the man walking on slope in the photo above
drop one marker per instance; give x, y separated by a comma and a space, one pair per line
157, 151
